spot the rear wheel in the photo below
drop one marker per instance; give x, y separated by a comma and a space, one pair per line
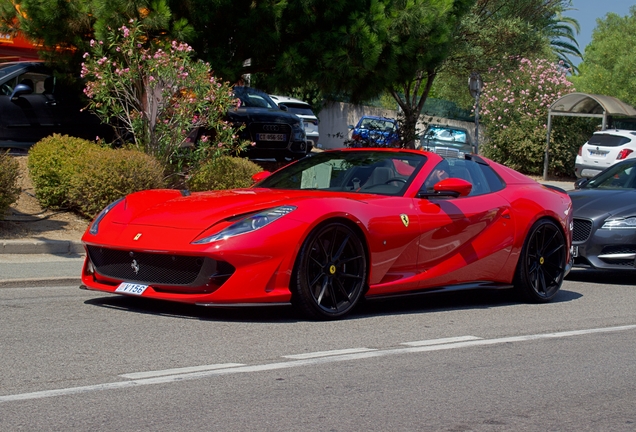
541, 267
331, 272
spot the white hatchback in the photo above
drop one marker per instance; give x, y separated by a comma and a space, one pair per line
303, 110
604, 148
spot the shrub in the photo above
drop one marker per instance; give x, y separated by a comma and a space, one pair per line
103, 176
9, 190
515, 113
224, 172
52, 163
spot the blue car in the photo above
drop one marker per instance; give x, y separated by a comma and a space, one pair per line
374, 131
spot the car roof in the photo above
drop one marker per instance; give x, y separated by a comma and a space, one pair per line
282, 99
622, 132
377, 117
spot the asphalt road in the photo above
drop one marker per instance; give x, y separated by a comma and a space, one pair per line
80, 360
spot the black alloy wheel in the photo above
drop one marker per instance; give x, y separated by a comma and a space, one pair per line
331, 272
542, 265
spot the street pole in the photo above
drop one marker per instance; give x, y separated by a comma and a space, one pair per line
475, 85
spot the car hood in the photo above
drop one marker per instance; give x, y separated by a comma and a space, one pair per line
200, 210
270, 115
592, 203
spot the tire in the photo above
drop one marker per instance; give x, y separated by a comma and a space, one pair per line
541, 267
330, 273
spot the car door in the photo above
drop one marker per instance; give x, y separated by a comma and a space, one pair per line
466, 238
26, 118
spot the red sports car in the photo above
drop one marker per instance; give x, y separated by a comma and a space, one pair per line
325, 231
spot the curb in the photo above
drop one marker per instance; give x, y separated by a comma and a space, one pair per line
35, 247
40, 282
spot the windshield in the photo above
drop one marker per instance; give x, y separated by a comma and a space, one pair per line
376, 172
446, 134
377, 124
253, 98
619, 176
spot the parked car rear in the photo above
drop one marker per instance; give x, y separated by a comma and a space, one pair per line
603, 149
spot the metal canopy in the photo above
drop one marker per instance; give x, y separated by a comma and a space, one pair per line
585, 105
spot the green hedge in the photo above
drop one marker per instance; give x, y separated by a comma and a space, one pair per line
106, 175
81, 176
52, 163
9, 190
224, 172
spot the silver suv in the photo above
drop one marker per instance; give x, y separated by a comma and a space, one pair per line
303, 110
604, 148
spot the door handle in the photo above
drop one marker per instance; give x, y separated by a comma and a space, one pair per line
506, 213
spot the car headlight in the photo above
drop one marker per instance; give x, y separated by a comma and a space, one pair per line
624, 223
249, 223
94, 228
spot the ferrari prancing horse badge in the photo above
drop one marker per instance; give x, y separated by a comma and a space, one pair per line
405, 219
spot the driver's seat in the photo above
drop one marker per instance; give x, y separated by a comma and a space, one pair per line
379, 176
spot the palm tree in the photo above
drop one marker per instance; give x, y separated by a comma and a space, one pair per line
561, 31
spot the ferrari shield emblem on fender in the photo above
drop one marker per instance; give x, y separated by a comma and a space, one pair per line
137, 236
405, 219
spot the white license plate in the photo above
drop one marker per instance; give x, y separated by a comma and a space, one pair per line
131, 288
271, 137
597, 153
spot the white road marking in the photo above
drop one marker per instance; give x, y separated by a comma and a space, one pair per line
441, 341
303, 362
177, 371
328, 353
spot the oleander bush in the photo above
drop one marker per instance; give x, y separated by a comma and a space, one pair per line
105, 175
52, 163
9, 190
224, 172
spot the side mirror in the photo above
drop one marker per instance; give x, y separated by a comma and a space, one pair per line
580, 183
450, 187
261, 176
350, 127
283, 107
19, 90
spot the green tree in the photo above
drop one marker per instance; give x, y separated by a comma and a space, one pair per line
608, 64
65, 27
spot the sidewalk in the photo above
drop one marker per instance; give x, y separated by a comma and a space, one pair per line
40, 270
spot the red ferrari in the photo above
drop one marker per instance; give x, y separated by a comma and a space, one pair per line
334, 227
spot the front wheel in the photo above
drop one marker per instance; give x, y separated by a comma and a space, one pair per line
331, 272
541, 267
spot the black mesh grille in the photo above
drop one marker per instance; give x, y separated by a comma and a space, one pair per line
619, 249
582, 230
148, 268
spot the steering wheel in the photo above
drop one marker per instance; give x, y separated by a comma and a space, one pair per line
395, 179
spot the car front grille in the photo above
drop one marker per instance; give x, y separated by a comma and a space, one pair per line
270, 128
582, 230
148, 268
447, 152
621, 255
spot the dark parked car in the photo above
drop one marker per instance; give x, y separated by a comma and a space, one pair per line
604, 209
277, 133
33, 105
374, 131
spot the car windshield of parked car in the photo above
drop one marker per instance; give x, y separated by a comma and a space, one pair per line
252, 98
619, 176
298, 109
376, 172
377, 124
446, 134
